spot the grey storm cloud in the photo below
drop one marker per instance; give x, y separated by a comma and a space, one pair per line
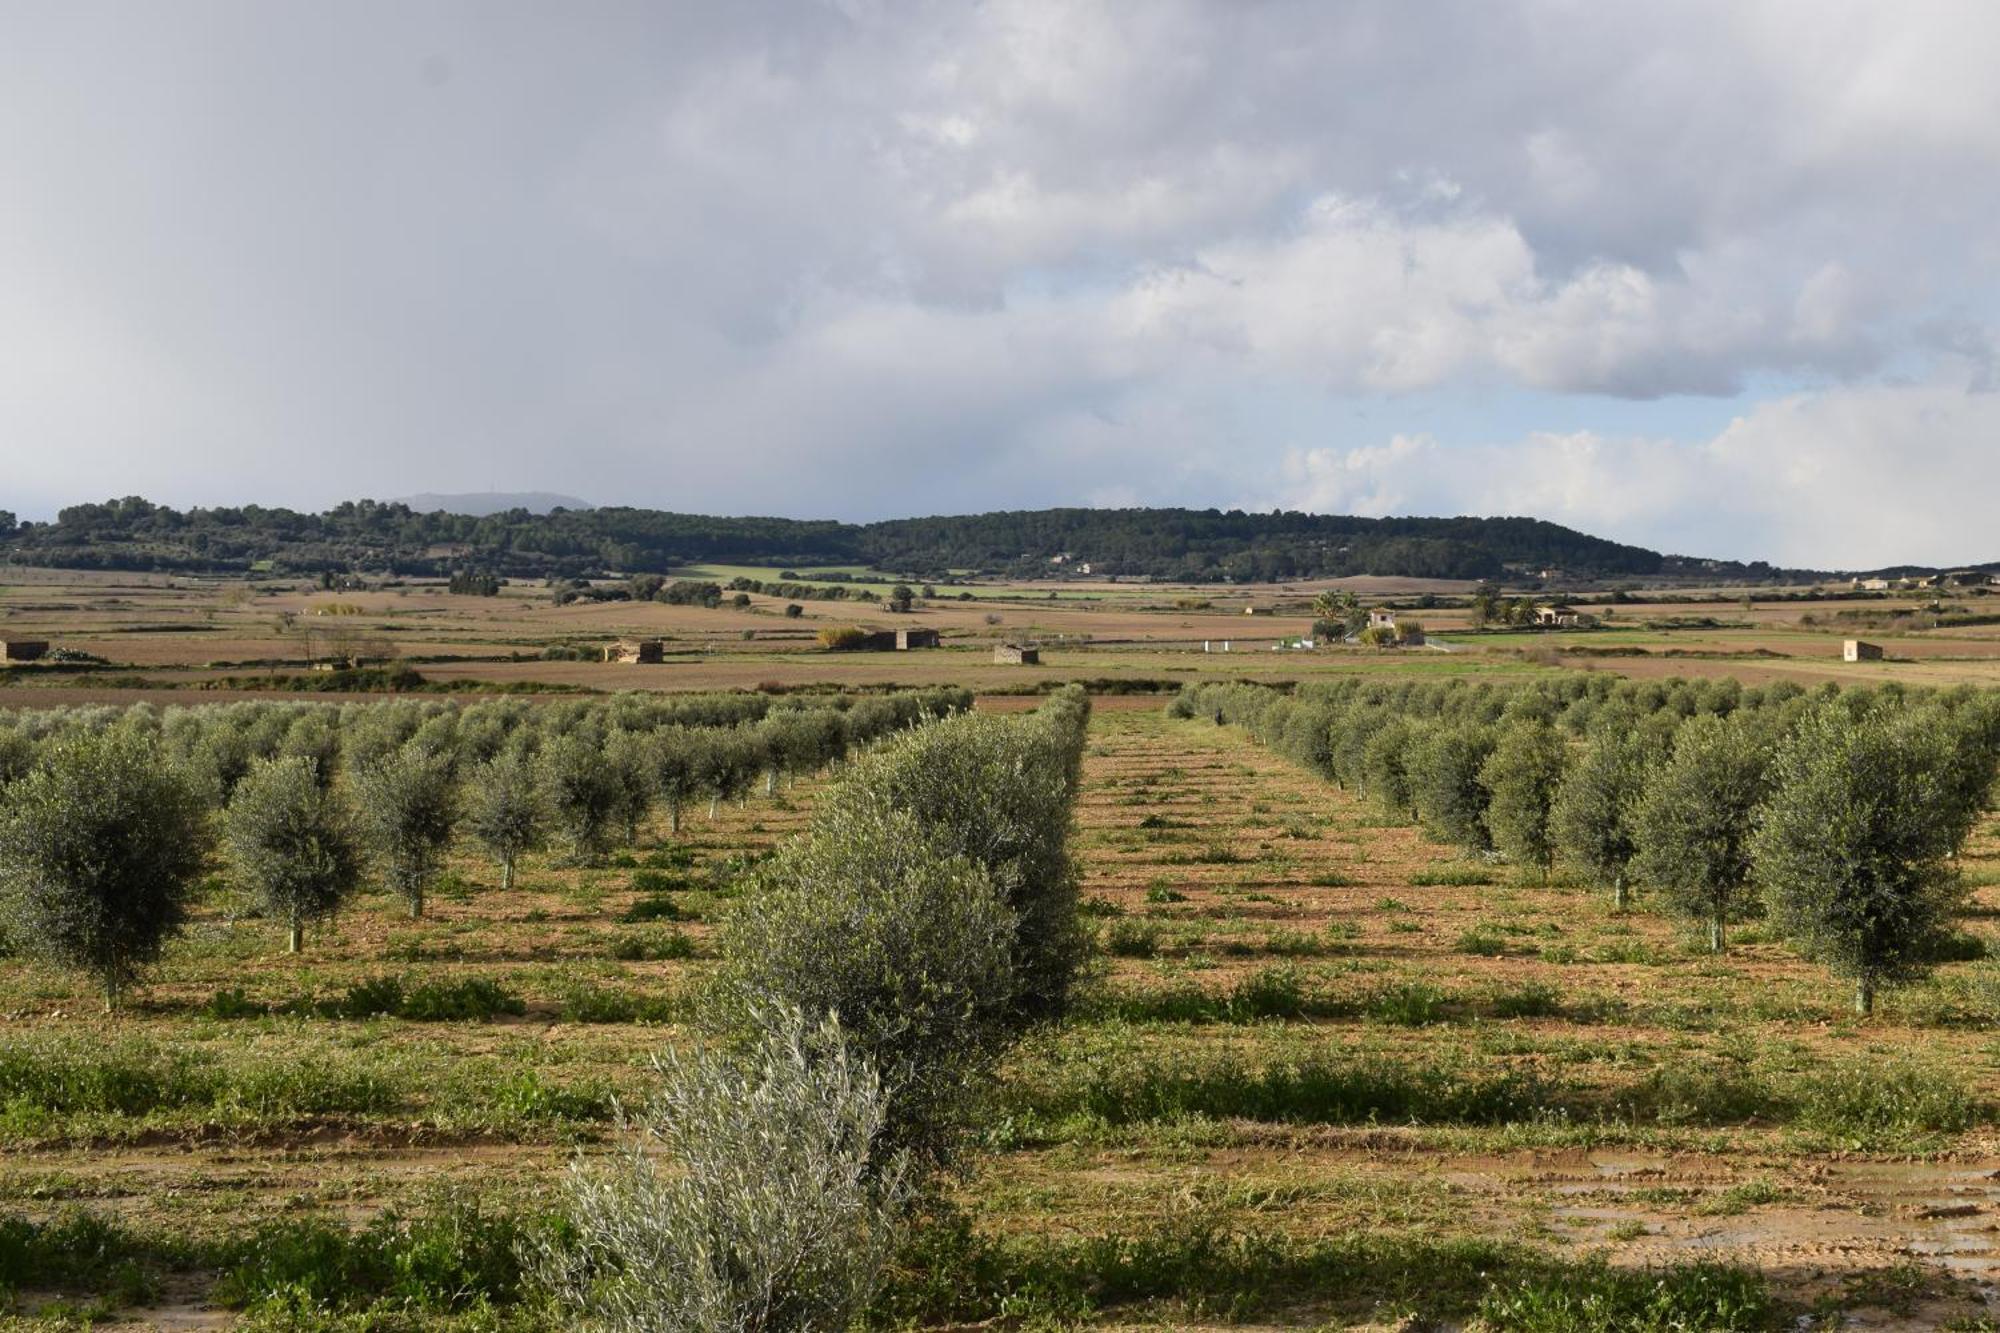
862, 259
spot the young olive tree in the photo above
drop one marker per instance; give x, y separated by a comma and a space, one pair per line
292, 842
1851, 850
1693, 821
1591, 822
1521, 778
750, 1195
506, 811
909, 948
409, 807
1445, 787
100, 847
727, 763
1000, 792
676, 775
1385, 765
581, 794
628, 757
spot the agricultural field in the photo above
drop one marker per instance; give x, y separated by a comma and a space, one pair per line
168, 636
1324, 1072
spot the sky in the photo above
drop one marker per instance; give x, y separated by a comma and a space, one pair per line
1717, 278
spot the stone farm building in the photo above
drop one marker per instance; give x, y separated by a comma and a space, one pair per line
23, 650
1008, 654
637, 651
1380, 619
1557, 616
1854, 650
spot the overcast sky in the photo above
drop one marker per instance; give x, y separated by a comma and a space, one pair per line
1717, 278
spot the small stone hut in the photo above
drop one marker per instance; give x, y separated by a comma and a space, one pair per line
23, 650
1009, 654
1855, 650
635, 651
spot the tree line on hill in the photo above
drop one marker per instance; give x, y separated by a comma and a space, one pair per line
1837, 814
1172, 544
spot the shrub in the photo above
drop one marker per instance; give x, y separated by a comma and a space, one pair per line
1534, 999
100, 848
1596, 1297
1412, 1005
471, 999
1274, 992
371, 997
1132, 939
1481, 942
748, 1197
654, 907
842, 638
449, 1257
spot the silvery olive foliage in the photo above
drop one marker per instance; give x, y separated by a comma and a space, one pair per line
1521, 778
1000, 792
292, 842
1694, 819
506, 810
409, 808
749, 1195
909, 948
1852, 851
100, 847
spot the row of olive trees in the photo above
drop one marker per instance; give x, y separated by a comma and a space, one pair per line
105, 837
217, 744
874, 974
1840, 812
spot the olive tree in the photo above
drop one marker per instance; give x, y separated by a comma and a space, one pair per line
581, 794
100, 846
909, 947
409, 808
292, 842
1693, 821
676, 776
1852, 849
628, 758
1521, 778
506, 811
1591, 821
999, 791
749, 1195
1444, 783
1385, 764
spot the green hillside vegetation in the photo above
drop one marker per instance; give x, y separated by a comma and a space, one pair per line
367, 536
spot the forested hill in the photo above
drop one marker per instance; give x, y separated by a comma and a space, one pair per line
366, 536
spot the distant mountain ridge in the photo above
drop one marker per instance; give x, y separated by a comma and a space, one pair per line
429, 536
481, 504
